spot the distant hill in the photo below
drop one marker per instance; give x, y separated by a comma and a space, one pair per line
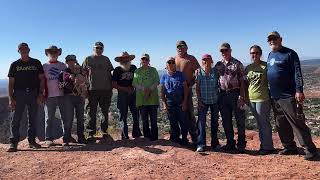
310, 62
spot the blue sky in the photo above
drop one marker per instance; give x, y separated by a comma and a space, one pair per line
154, 27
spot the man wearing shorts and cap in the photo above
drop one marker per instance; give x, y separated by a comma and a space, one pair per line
188, 64
122, 81
286, 89
100, 88
26, 85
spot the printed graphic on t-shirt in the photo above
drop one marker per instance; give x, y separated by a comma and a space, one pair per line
126, 76
255, 78
54, 72
26, 68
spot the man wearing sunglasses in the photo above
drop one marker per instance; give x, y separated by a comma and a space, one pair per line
232, 98
286, 89
188, 64
100, 89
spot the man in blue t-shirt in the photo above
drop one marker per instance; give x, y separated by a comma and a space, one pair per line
286, 90
174, 93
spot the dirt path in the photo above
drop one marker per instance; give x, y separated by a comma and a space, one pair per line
141, 159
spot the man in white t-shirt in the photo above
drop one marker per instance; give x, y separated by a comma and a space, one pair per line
54, 94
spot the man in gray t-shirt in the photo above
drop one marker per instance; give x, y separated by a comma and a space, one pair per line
100, 88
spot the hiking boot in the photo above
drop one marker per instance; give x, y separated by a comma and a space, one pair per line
216, 147
263, 152
72, 140
13, 147
241, 150
228, 147
184, 142
34, 145
310, 156
289, 152
91, 140
200, 148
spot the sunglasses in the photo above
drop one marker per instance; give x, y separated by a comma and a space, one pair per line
171, 62
99, 48
254, 52
144, 59
224, 50
181, 46
272, 38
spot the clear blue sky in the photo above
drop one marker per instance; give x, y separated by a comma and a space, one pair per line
139, 26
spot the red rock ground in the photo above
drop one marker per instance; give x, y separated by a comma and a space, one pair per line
141, 159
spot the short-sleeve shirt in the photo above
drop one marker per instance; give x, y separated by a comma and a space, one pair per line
52, 72
26, 74
146, 78
173, 84
122, 77
208, 83
256, 75
231, 74
100, 68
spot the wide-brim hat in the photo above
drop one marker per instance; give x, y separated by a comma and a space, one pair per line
124, 56
53, 48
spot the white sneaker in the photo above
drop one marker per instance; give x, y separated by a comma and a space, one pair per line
200, 149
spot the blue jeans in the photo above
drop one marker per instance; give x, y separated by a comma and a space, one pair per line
149, 112
124, 102
74, 104
24, 98
177, 117
261, 112
52, 104
228, 103
214, 108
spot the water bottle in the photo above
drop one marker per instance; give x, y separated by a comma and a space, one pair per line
300, 114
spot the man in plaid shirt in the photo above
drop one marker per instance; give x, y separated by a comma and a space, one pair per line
232, 95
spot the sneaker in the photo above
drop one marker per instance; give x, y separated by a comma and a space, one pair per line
311, 156
200, 148
13, 148
49, 143
34, 145
289, 152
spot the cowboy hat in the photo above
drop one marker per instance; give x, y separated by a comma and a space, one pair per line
124, 56
53, 48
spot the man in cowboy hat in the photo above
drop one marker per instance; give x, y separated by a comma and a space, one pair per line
26, 84
100, 89
188, 64
122, 81
54, 95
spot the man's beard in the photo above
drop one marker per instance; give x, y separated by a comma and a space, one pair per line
126, 66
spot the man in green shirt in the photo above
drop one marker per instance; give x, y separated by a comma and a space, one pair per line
100, 88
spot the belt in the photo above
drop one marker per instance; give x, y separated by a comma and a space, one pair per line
230, 91
27, 90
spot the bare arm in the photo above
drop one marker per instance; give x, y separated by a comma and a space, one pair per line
10, 88
163, 97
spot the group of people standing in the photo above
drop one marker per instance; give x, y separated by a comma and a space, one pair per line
225, 87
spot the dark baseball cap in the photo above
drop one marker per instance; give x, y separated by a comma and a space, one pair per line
23, 44
98, 44
225, 46
181, 43
71, 57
